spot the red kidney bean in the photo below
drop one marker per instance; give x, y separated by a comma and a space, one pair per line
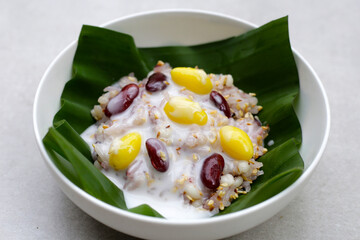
158, 154
220, 103
156, 82
211, 171
122, 100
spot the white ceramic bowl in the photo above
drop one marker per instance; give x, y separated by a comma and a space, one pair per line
185, 27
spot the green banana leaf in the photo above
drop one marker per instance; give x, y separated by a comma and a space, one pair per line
260, 61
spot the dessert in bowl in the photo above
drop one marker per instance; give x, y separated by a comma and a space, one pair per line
158, 30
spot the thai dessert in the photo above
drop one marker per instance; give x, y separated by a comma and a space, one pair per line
178, 139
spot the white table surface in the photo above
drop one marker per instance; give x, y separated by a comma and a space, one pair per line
32, 33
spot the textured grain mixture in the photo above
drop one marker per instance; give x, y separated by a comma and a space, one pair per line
179, 132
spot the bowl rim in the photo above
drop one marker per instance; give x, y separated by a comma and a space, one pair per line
182, 222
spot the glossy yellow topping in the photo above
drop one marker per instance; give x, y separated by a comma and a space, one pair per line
183, 110
124, 150
236, 143
196, 80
